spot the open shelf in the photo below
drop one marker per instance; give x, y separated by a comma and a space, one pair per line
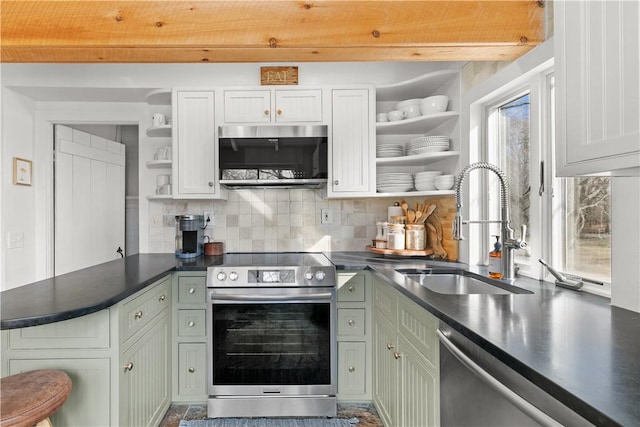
419, 87
416, 159
159, 164
416, 125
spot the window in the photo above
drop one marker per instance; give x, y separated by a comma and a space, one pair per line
567, 219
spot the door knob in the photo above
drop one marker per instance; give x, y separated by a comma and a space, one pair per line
390, 346
138, 315
128, 366
397, 355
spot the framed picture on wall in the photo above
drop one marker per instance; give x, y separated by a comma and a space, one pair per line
21, 171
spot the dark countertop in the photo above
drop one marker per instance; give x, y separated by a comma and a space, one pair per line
81, 292
573, 345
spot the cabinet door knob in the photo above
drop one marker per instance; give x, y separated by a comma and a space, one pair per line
138, 315
192, 324
279, 112
390, 346
128, 366
352, 289
352, 368
336, 182
352, 322
397, 355
210, 183
192, 290
192, 370
266, 112
162, 297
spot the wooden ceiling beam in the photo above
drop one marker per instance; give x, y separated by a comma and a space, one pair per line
267, 31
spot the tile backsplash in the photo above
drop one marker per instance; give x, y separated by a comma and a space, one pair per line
273, 220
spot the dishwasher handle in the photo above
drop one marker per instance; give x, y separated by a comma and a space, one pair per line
526, 407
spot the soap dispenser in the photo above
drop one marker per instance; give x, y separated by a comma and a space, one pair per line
495, 260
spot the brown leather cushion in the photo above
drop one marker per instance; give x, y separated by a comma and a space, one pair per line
30, 397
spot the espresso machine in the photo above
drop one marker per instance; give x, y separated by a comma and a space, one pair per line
189, 235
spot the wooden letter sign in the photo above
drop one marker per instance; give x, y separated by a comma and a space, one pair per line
278, 75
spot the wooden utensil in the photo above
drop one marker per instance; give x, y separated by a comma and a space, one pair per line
428, 213
418, 216
404, 206
411, 216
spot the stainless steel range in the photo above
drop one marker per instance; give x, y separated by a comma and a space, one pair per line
271, 336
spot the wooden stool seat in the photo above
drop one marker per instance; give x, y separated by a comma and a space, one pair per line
30, 397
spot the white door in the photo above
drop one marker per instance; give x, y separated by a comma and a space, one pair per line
89, 200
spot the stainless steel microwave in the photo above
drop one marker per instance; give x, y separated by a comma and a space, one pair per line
273, 156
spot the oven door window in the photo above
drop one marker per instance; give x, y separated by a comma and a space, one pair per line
271, 344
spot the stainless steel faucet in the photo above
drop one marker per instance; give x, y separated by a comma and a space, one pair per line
509, 242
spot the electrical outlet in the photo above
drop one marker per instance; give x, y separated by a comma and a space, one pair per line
208, 215
325, 216
15, 240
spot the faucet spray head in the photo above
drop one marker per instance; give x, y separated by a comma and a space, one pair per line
456, 227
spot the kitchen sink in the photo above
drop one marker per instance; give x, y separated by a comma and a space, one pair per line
459, 282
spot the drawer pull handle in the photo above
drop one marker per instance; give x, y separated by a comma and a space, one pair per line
192, 370
128, 366
352, 368
352, 289
192, 290
279, 112
192, 324
162, 297
397, 355
352, 322
266, 112
138, 315
390, 346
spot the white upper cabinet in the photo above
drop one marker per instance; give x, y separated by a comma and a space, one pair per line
597, 51
351, 150
195, 153
273, 106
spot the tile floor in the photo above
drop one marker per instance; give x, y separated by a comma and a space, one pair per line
364, 412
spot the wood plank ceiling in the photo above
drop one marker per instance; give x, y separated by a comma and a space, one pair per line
111, 31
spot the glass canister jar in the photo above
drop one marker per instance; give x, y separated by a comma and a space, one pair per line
396, 237
415, 237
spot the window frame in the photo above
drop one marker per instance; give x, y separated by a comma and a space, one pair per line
532, 71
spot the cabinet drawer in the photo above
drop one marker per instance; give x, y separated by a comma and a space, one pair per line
419, 328
192, 377
136, 313
90, 331
351, 321
191, 323
191, 290
351, 288
351, 368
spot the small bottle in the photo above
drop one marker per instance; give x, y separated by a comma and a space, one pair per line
495, 260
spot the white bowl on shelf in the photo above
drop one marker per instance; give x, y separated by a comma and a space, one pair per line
400, 105
434, 104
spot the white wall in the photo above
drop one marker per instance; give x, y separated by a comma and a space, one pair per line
18, 202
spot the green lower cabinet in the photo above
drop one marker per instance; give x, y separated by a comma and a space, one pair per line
352, 368
406, 384
192, 374
88, 403
145, 382
94, 350
189, 337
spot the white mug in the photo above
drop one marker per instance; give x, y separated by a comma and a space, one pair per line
162, 180
163, 153
159, 119
396, 115
382, 117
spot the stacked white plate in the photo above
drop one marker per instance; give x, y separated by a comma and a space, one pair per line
389, 150
424, 181
428, 144
394, 182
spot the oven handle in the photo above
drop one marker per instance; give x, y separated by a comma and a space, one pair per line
326, 296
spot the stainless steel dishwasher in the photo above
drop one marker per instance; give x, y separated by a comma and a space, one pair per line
476, 389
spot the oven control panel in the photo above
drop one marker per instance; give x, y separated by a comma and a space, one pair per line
269, 276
